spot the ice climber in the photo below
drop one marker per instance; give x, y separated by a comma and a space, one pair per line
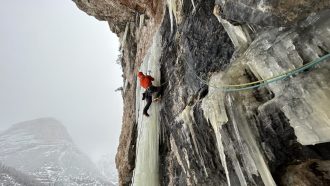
146, 83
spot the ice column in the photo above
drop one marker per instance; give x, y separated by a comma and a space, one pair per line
251, 142
146, 162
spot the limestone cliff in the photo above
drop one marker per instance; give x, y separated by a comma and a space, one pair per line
211, 136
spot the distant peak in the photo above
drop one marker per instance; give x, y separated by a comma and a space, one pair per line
39, 120
46, 128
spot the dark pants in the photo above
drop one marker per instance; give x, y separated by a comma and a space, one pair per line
148, 96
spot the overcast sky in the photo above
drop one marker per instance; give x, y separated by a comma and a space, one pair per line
56, 61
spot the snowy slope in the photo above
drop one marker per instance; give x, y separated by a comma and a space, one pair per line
44, 149
11, 176
106, 165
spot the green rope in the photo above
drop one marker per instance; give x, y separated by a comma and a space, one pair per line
260, 83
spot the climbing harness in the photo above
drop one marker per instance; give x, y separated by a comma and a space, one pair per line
260, 83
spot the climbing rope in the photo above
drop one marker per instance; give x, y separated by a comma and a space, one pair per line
260, 83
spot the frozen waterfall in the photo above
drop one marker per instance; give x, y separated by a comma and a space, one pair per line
146, 162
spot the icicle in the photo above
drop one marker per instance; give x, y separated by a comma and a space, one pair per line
214, 110
123, 40
221, 152
237, 35
187, 117
193, 3
170, 12
141, 21
173, 6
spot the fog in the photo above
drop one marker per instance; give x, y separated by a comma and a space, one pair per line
56, 61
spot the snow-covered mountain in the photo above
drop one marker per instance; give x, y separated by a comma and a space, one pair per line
106, 165
44, 149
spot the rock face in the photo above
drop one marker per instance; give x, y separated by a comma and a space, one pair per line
43, 149
311, 172
119, 12
208, 134
270, 12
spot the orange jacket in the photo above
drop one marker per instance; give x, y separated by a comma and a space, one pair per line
145, 81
